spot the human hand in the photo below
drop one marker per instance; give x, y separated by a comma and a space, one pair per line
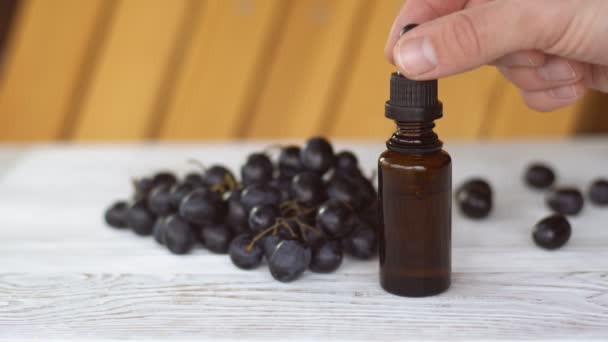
552, 50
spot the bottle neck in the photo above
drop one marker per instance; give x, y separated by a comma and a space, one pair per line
414, 138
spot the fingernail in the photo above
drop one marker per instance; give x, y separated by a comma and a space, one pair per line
564, 93
559, 70
416, 56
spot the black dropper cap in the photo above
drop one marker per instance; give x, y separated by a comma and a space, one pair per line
410, 100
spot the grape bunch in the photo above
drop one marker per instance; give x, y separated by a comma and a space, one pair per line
304, 210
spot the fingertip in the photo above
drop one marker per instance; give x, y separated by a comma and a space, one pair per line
553, 99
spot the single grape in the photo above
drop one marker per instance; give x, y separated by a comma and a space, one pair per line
336, 219
140, 219
361, 243
181, 190
283, 185
142, 188
242, 256
289, 161
219, 175
289, 260
539, 176
270, 243
598, 192
307, 188
262, 217
257, 169
474, 198
347, 163
317, 155
552, 232
343, 189
216, 238
567, 201
179, 235
159, 200
327, 256
202, 206
164, 177
159, 229
259, 194
116, 215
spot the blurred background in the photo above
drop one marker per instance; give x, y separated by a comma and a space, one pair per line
90, 70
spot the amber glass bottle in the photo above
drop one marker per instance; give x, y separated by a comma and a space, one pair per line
415, 177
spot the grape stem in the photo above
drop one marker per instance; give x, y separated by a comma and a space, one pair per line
197, 163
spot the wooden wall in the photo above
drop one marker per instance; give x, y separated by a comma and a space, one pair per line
212, 69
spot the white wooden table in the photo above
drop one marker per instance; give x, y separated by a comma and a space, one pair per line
65, 275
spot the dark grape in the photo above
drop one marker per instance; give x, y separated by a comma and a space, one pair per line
567, 201
270, 243
116, 215
179, 191
307, 188
283, 185
366, 192
257, 169
474, 198
598, 192
159, 230
202, 206
347, 163
159, 200
259, 194
216, 238
195, 179
218, 175
552, 232
164, 177
262, 217
362, 242
179, 235
289, 260
140, 219
237, 215
335, 218
289, 161
539, 176
317, 155
327, 256
343, 189
142, 187
242, 256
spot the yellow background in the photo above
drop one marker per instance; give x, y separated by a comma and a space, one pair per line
84, 70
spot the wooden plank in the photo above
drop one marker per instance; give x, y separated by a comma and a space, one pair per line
512, 118
361, 111
134, 63
307, 68
44, 63
223, 68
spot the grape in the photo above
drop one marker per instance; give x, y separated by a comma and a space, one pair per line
202, 206
270, 243
140, 219
179, 191
259, 194
218, 175
159, 200
262, 217
362, 242
257, 169
242, 256
116, 215
327, 256
179, 235
164, 177
598, 192
539, 176
307, 188
237, 215
343, 189
289, 162
336, 219
159, 230
567, 201
195, 179
347, 163
552, 232
317, 155
216, 238
474, 198
289, 260
142, 187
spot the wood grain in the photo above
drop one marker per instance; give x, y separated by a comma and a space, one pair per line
65, 275
224, 67
309, 61
134, 62
43, 65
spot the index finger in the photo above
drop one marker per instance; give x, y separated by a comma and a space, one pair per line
418, 12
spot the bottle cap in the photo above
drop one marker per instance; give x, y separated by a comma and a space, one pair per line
410, 100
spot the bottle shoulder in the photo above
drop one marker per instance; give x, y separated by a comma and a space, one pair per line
435, 159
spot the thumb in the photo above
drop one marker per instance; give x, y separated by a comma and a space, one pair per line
476, 36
